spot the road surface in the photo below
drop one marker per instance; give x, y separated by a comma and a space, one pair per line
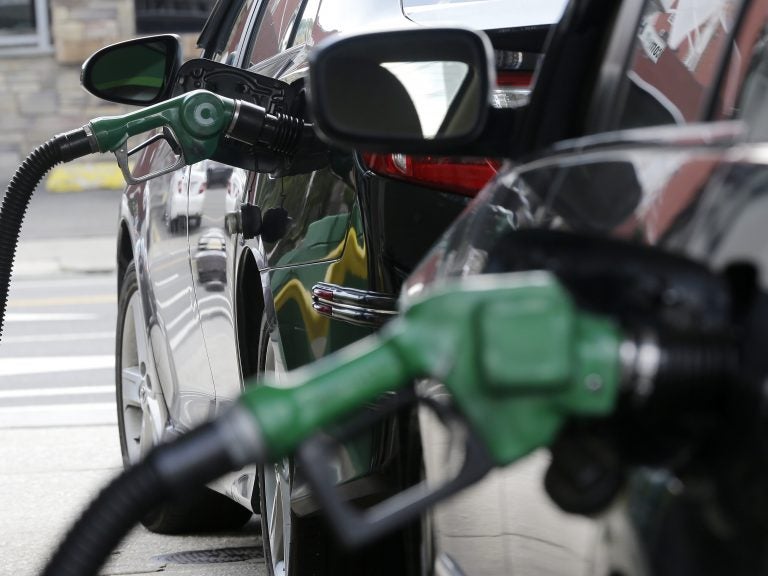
58, 437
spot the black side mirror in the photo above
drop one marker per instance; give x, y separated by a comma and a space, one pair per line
138, 72
414, 91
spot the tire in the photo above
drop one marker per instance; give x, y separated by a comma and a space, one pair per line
199, 510
304, 545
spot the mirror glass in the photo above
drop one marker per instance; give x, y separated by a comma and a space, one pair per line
432, 88
129, 73
417, 92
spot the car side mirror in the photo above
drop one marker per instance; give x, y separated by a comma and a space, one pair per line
414, 91
138, 72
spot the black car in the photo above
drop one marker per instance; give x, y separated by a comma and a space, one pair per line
648, 206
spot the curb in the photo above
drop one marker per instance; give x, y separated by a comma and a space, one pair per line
90, 255
81, 176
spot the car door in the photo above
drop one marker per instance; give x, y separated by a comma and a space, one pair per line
319, 242
215, 192
315, 208
164, 208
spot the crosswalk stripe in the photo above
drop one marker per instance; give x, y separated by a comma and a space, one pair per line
70, 337
80, 414
63, 391
48, 364
53, 317
62, 300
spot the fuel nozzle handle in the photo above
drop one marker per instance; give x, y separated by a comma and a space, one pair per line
194, 124
516, 354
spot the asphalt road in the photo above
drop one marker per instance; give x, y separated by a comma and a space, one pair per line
58, 437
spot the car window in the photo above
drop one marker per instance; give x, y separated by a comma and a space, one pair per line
483, 14
303, 34
674, 66
274, 29
229, 54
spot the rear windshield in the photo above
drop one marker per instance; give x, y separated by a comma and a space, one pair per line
484, 14
674, 67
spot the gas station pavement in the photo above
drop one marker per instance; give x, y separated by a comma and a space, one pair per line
50, 473
58, 437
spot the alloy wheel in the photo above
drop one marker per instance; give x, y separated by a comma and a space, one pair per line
135, 395
276, 487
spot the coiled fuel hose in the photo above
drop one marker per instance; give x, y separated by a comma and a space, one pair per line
62, 148
197, 121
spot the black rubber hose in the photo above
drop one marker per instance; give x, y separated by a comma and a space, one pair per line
169, 470
61, 148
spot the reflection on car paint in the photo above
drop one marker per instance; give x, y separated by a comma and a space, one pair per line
211, 251
292, 292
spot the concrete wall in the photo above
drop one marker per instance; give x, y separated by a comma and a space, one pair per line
80, 27
40, 95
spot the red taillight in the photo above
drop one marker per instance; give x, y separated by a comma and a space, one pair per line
464, 176
517, 78
202, 188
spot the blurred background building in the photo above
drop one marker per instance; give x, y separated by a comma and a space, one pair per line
44, 42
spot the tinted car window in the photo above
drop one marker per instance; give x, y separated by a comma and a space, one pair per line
303, 33
229, 53
275, 28
674, 65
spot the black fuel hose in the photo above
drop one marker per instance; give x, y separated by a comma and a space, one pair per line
169, 471
61, 148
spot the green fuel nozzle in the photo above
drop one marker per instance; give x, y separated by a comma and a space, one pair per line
198, 118
516, 356
193, 125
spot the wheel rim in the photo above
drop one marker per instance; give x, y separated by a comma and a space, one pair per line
277, 497
135, 391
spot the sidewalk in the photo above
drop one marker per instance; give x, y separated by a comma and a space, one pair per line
94, 254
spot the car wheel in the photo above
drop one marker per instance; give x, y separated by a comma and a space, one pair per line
138, 425
298, 545
277, 524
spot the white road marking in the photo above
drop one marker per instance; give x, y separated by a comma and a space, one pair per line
90, 281
55, 317
73, 337
63, 391
58, 415
48, 364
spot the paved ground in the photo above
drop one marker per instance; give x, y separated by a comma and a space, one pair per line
50, 473
58, 438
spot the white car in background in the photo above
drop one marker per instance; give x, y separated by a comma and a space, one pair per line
185, 208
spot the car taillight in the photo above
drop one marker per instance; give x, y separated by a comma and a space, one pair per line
464, 176
202, 188
512, 89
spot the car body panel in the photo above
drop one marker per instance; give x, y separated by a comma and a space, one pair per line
348, 227
689, 190
181, 375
